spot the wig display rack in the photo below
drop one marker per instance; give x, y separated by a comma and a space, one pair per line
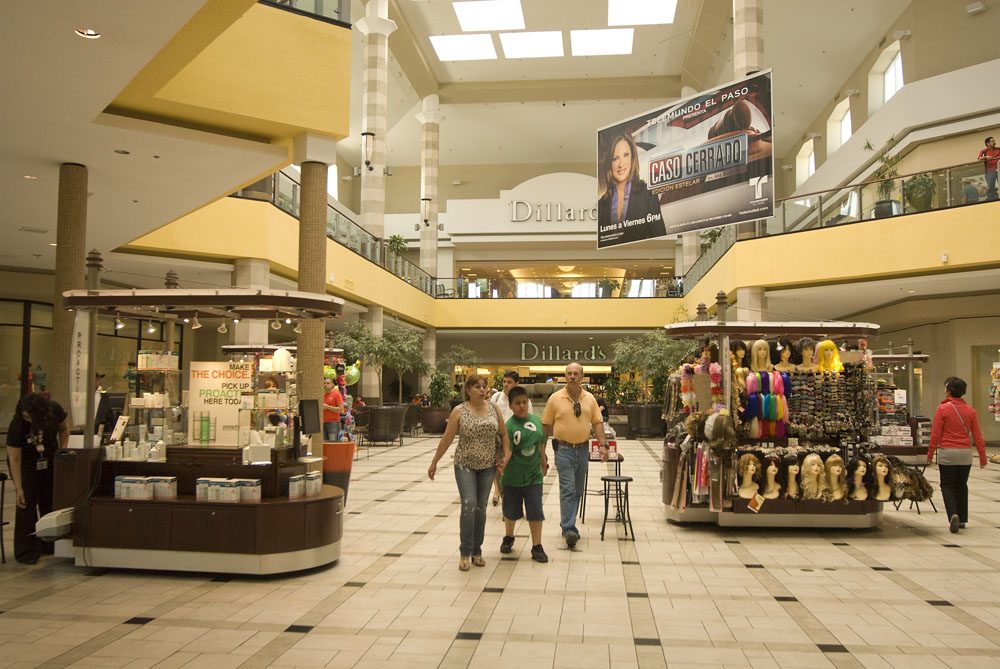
723, 508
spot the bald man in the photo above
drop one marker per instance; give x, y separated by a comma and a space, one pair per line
568, 418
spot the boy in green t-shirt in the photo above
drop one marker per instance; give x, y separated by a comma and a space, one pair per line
523, 470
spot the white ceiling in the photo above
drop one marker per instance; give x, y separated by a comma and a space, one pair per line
812, 45
55, 87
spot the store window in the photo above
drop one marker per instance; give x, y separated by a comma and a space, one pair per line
838, 126
805, 162
527, 289
885, 77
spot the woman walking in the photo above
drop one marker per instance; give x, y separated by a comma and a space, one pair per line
477, 424
955, 431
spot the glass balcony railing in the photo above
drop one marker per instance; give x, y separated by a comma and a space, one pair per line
336, 10
556, 287
941, 188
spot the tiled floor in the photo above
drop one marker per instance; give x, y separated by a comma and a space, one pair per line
907, 595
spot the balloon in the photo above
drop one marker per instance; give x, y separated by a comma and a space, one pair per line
352, 374
329, 372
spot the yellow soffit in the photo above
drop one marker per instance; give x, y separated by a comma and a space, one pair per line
249, 70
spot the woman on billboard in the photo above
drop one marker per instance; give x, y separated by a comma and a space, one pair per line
627, 211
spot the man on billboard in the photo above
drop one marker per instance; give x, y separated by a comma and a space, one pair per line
627, 210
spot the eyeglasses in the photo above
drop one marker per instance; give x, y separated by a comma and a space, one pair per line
576, 409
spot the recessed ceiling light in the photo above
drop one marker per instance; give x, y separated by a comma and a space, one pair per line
544, 44
88, 33
911, 291
52, 243
30, 177
463, 47
123, 152
487, 15
602, 42
641, 12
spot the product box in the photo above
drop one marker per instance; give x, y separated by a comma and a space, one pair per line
164, 487
314, 483
136, 487
118, 487
228, 490
202, 487
249, 489
296, 486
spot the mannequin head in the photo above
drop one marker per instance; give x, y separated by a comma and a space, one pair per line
880, 469
739, 350
812, 466
813, 479
807, 348
772, 466
760, 356
784, 353
836, 475
859, 476
827, 357
789, 474
749, 465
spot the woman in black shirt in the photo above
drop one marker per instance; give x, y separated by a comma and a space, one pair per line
36, 432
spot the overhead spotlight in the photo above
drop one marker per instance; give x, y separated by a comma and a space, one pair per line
235, 321
275, 324
150, 328
222, 328
298, 328
288, 321
195, 325
186, 320
119, 323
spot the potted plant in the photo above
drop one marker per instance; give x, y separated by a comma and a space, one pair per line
460, 358
885, 174
435, 417
919, 191
613, 394
606, 286
394, 247
651, 358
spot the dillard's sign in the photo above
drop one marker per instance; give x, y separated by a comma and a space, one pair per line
521, 211
553, 352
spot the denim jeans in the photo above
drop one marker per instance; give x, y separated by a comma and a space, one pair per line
571, 463
331, 431
991, 185
474, 487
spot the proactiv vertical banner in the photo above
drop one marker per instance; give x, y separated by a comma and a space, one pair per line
699, 163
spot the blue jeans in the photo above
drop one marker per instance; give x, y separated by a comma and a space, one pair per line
331, 431
991, 185
571, 463
474, 487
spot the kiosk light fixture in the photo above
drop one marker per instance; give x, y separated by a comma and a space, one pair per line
368, 148
195, 325
425, 210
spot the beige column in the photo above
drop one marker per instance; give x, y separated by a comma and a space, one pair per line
169, 331
751, 304
374, 319
430, 134
71, 234
430, 357
312, 270
251, 273
748, 37
376, 28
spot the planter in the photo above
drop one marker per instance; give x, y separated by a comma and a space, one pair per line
644, 420
337, 465
616, 410
920, 201
385, 423
435, 419
886, 208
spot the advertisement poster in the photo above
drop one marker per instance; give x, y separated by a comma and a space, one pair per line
80, 382
699, 163
214, 396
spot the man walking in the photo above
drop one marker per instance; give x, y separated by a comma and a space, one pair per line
990, 155
568, 417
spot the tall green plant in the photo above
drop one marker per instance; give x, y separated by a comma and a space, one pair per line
613, 390
458, 356
651, 357
399, 348
404, 352
887, 167
396, 244
440, 390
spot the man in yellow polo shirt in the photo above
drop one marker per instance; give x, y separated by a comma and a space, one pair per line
568, 417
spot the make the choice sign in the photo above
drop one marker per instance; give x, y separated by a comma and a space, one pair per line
699, 163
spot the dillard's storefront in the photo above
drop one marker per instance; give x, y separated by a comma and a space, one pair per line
537, 356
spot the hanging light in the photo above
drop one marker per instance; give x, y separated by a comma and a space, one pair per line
425, 210
368, 148
150, 328
195, 325
235, 321
275, 324
222, 328
288, 321
119, 324
298, 328
186, 319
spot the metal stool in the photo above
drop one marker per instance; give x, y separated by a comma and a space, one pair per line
3, 491
621, 501
582, 507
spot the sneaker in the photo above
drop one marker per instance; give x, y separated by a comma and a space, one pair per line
573, 536
538, 554
507, 545
954, 524
961, 526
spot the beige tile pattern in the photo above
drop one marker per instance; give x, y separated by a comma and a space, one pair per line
681, 595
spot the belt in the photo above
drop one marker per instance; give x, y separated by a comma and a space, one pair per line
560, 442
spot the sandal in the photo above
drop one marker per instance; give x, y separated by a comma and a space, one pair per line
496, 500
478, 561
463, 563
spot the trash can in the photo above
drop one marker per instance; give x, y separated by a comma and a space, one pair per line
339, 456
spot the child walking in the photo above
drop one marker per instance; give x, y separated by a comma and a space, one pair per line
523, 470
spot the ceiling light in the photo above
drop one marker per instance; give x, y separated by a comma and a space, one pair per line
186, 320
87, 33
488, 15
195, 325
566, 268
222, 328
602, 42
275, 324
235, 321
118, 322
545, 44
52, 244
30, 177
298, 328
150, 328
288, 321
463, 47
641, 12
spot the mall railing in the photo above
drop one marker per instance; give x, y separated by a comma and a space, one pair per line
929, 190
556, 287
283, 191
335, 10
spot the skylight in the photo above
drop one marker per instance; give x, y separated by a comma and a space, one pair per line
463, 47
544, 44
602, 42
641, 12
489, 15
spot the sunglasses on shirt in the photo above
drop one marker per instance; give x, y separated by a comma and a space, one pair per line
576, 409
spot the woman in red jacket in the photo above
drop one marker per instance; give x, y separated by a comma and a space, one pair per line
954, 431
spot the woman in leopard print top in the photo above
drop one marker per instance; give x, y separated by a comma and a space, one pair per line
477, 424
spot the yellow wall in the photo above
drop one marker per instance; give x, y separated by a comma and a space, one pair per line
556, 314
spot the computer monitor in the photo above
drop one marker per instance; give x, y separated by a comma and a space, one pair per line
310, 420
109, 407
